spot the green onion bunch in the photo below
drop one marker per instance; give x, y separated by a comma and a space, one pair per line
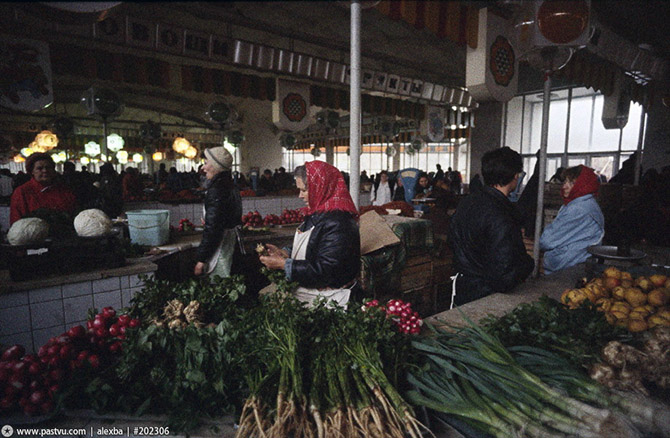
470, 375
324, 371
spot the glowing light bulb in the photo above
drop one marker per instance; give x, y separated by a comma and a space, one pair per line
115, 142
92, 148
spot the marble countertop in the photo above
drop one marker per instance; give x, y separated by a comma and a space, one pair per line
500, 304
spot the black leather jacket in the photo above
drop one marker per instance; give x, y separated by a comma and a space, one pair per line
223, 210
333, 254
485, 235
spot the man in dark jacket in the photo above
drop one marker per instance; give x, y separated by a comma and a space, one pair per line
485, 232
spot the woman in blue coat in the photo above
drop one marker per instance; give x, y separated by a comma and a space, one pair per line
578, 225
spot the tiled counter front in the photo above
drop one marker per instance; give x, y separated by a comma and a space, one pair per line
30, 316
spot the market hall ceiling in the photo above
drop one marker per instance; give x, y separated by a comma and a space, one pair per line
390, 42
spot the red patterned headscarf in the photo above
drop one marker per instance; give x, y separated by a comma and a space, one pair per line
586, 184
327, 189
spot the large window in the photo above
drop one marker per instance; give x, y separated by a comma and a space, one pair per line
454, 154
293, 159
576, 133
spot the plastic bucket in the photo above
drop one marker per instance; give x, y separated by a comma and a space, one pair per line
149, 227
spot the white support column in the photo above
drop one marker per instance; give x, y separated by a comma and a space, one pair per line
640, 143
355, 103
543, 171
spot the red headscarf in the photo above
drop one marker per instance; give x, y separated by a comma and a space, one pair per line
327, 189
586, 184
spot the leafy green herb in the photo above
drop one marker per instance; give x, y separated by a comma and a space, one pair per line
216, 296
576, 334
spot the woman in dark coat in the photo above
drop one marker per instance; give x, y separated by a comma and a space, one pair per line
223, 212
325, 257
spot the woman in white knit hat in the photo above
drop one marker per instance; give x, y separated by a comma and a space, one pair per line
223, 212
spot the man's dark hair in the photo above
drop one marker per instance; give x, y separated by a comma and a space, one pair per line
68, 167
500, 165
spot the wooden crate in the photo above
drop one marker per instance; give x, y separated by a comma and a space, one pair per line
423, 300
417, 274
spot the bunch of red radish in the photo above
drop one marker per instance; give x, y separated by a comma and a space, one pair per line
30, 381
252, 219
291, 216
185, 225
272, 219
401, 314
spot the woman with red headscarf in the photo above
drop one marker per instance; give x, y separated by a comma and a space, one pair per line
325, 257
578, 225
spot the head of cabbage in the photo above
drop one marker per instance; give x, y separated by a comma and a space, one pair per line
27, 231
92, 223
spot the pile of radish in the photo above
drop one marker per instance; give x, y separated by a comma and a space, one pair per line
271, 219
252, 219
29, 381
406, 320
291, 216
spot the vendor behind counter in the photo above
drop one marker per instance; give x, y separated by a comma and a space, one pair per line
43, 191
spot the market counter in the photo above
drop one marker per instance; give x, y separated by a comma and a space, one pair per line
657, 260
499, 304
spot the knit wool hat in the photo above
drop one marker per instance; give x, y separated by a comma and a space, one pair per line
219, 157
